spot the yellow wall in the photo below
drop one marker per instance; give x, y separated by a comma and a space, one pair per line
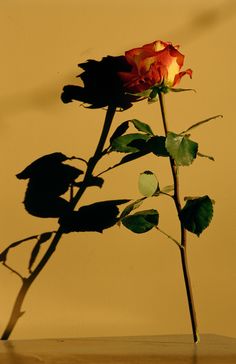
117, 283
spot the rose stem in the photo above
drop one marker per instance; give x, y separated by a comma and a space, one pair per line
184, 262
27, 282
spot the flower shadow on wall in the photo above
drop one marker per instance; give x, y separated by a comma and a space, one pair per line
102, 84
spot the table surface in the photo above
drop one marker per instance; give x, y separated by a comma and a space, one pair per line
167, 349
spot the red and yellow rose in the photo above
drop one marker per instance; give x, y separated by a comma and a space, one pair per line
156, 64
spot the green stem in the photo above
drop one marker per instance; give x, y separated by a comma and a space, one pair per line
27, 282
170, 237
184, 261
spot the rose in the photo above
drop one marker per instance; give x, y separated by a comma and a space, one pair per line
156, 66
102, 84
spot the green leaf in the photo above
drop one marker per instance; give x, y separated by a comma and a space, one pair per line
131, 157
141, 221
148, 183
139, 144
156, 145
197, 214
120, 144
181, 148
181, 89
134, 205
119, 131
153, 97
141, 126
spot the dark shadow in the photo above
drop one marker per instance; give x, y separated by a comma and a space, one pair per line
95, 217
102, 84
49, 178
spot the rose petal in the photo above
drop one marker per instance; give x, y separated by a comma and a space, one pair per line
158, 45
173, 70
181, 74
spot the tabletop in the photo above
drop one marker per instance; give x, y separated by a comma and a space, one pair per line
166, 349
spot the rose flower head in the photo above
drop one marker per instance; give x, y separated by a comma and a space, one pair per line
102, 84
156, 67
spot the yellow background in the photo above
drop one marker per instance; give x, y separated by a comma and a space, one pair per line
118, 283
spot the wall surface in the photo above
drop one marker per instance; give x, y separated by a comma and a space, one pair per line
117, 283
